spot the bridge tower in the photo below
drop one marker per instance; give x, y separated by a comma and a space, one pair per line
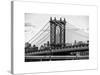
57, 32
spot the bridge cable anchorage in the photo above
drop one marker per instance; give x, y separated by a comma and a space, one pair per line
46, 37
38, 32
39, 35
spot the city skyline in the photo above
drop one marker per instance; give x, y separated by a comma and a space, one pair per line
34, 22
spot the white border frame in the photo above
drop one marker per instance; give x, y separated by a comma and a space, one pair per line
21, 7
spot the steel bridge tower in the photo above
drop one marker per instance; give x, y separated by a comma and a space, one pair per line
57, 32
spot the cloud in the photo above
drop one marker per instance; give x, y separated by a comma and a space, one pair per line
29, 25
27, 30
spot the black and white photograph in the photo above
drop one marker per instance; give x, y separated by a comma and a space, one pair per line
56, 37
53, 37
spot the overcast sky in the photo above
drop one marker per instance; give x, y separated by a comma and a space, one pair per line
34, 22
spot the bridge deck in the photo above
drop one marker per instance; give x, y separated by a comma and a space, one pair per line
45, 58
59, 50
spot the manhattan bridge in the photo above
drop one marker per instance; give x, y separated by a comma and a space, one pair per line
50, 43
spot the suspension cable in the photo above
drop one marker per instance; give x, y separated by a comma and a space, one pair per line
39, 36
38, 32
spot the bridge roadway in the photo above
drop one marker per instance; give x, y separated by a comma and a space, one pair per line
86, 48
48, 58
